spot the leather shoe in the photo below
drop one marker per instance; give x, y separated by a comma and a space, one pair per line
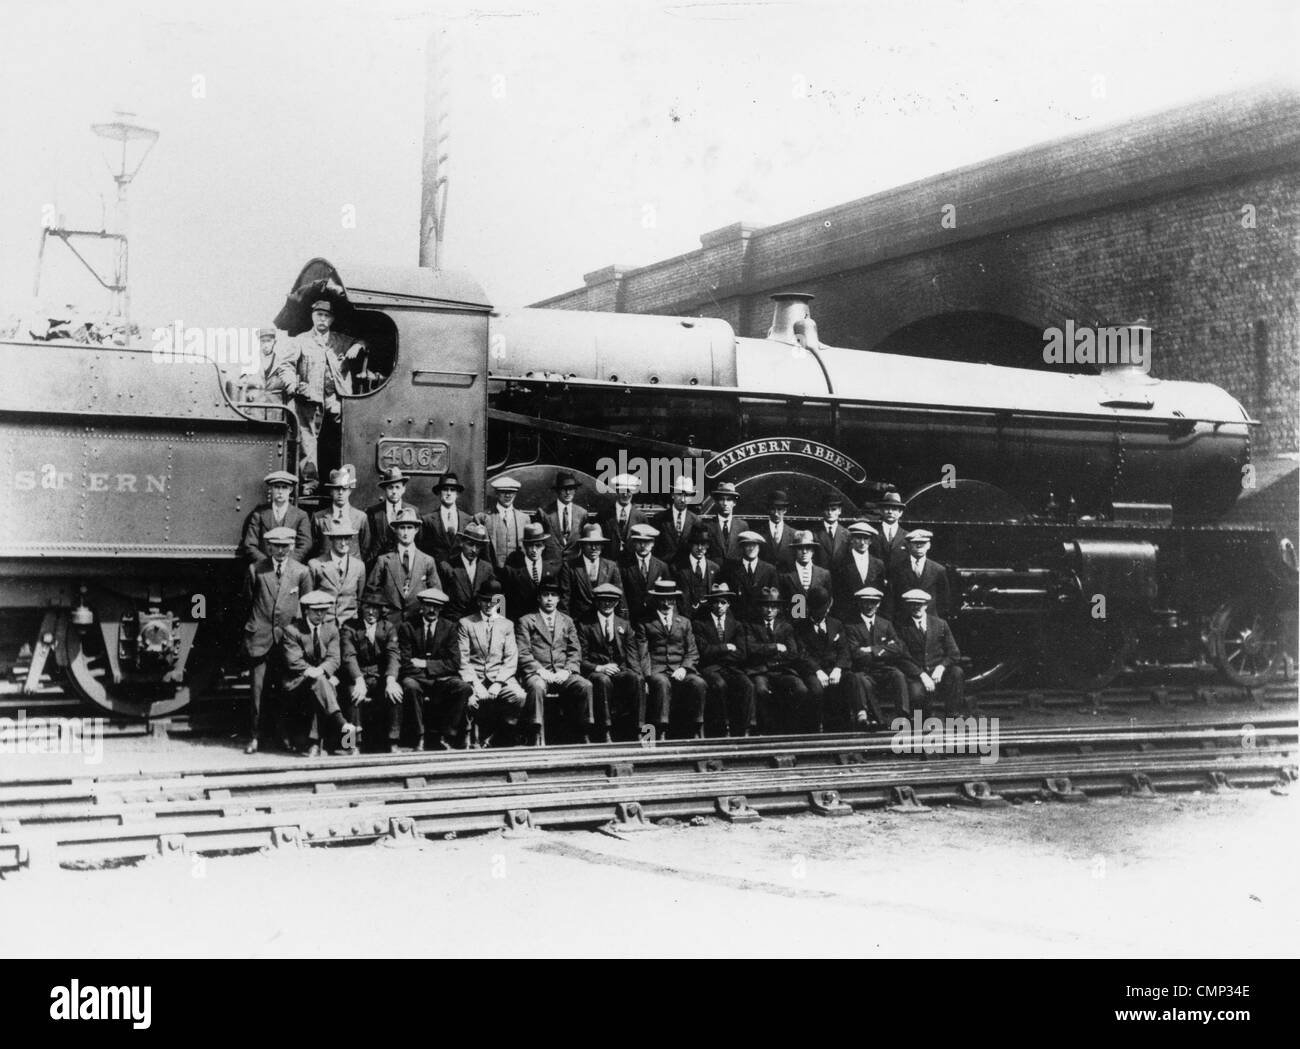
419, 745
252, 747
312, 752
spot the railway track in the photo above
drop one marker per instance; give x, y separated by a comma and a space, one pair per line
231, 808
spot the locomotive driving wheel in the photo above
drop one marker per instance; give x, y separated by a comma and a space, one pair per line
1245, 643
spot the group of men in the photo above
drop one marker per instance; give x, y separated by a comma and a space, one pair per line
427, 629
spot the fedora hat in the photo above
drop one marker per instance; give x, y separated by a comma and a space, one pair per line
407, 515
803, 539
449, 482
726, 488
891, 498
592, 533
391, 476
819, 598
721, 590
564, 479
375, 596
474, 532
341, 478
778, 499
534, 534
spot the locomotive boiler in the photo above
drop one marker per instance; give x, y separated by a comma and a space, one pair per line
1077, 514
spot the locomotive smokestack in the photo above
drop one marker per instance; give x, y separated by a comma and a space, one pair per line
791, 309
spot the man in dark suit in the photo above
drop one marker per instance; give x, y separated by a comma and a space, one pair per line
723, 647
876, 655
641, 570
403, 572
856, 568
341, 512
584, 573
381, 515
696, 573
676, 524
832, 536
726, 528
916, 571
524, 572
550, 658
464, 575
825, 664
430, 657
669, 661
803, 574
930, 657
440, 530
777, 535
623, 516
312, 656
780, 695
611, 663
272, 591
564, 517
371, 662
748, 576
891, 540
277, 512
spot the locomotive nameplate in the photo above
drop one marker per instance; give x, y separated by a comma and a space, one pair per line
413, 455
785, 446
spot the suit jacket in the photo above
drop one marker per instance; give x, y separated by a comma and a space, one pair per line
618, 543
435, 540
881, 643
746, 588
730, 550
505, 533
695, 591
774, 552
272, 603
597, 651
313, 369
577, 518
442, 652
888, 551
344, 584
933, 580
671, 543
542, 649
662, 651
790, 585
924, 652
575, 587
521, 590
713, 648
361, 657
822, 650
299, 653
254, 546
460, 588
828, 549
763, 655
847, 581
488, 652
636, 584
382, 538
400, 586
356, 518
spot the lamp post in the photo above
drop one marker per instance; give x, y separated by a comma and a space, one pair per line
129, 144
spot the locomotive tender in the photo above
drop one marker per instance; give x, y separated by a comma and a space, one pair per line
1075, 513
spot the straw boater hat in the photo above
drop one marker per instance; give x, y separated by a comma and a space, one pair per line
664, 588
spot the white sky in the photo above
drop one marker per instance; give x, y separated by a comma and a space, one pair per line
581, 133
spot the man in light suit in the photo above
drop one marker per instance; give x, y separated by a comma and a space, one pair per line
272, 591
489, 661
803, 574
550, 657
776, 534
440, 531
312, 656
340, 572
669, 663
381, 515
856, 568
403, 573
464, 575
726, 528
583, 574
317, 371
341, 511
611, 663
565, 518
277, 512
504, 524
676, 524
930, 657
430, 656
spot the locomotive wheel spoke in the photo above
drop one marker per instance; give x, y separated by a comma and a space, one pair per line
1244, 643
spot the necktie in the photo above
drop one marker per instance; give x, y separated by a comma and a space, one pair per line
566, 523
449, 521
750, 568
537, 575
609, 629
406, 561
315, 643
679, 522
821, 628
428, 639
279, 571
645, 567
622, 518
726, 531
699, 571
721, 625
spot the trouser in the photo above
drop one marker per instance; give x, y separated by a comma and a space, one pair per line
317, 697
444, 699
730, 703
310, 416
684, 699
782, 701
256, 689
492, 713
837, 702
885, 685
379, 716
575, 697
949, 693
618, 697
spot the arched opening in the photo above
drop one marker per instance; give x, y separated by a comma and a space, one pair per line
976, 337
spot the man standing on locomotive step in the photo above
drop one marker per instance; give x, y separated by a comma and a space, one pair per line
316, 372
277, 512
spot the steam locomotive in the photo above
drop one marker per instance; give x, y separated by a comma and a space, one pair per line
1076, 513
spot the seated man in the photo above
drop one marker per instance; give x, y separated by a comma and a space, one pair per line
779, 693
371, 660
668, 656
489, 660
550, 658
876, 655
610, 662
720, 638
431, 677
825, 664
311, 659
930, 656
